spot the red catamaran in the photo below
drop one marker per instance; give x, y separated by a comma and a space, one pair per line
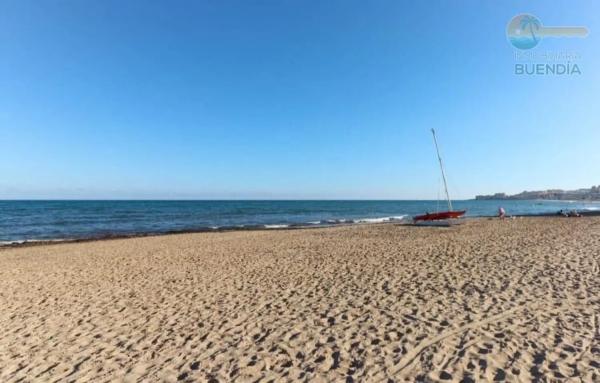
442, 214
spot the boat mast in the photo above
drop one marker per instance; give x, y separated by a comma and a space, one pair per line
442, 169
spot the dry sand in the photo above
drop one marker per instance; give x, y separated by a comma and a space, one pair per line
516, 300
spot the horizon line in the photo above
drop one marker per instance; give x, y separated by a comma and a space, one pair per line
226, 199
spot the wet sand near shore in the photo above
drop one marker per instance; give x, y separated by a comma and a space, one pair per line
512, 300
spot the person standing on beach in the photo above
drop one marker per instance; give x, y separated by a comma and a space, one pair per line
501, 212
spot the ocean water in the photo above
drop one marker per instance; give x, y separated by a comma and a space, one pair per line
22, 221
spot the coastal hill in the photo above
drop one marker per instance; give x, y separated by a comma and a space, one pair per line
591, 194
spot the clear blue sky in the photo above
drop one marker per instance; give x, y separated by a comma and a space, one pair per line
289, 99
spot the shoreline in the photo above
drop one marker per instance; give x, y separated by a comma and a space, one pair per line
273, 227
482, 301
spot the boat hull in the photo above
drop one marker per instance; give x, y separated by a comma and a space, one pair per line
439, 216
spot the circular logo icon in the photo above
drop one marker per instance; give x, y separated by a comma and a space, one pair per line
524, 31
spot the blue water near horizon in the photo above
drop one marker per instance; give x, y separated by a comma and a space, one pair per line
36, 220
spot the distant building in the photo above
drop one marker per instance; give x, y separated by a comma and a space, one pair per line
591, 194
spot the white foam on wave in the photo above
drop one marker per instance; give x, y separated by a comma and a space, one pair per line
8, 243
358, 220
380, 219
23, 241
339, 221
276, 226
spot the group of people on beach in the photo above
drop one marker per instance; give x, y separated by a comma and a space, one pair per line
569, 213
561, 212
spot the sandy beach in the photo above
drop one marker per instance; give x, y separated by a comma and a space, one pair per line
513, 300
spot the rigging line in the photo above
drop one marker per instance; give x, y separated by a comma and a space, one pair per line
442, 169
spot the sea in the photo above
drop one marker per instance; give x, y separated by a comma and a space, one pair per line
61, 220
